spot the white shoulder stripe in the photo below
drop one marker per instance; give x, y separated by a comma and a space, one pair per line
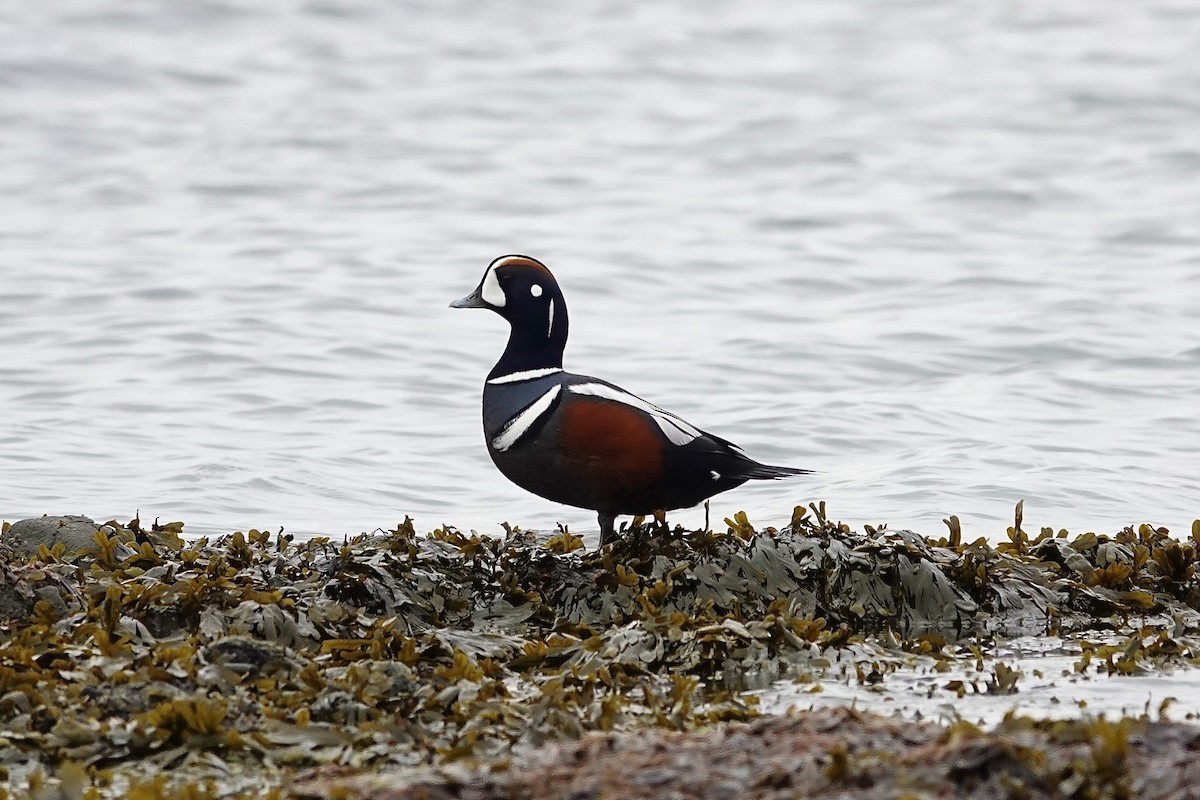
675, 429
519, 425
526, 375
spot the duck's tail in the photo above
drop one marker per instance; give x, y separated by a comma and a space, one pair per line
770, 472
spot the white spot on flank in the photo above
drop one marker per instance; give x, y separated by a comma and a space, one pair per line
675, 429
492, 293
526, 375
550, 324
716, 476
536, 290
519, 425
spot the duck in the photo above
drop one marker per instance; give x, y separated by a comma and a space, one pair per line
582, 441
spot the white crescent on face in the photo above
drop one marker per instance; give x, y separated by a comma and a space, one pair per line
492, 294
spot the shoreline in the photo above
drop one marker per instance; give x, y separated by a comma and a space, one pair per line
253, 665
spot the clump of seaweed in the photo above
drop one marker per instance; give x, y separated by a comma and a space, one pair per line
835, 754
142, 663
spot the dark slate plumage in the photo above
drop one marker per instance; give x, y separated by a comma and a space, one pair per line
579, 440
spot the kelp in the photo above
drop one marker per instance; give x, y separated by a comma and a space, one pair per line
839, 753
145, 664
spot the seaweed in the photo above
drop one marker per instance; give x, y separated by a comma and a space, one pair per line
143, 664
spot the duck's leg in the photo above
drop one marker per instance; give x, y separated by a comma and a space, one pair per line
608, 532
706, 527
660, 516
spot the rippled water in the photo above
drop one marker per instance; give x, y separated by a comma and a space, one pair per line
1054, 682
947, 254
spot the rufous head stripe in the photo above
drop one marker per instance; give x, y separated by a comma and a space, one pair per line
521, 261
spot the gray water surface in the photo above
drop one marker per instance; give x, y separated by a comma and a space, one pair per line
947, 254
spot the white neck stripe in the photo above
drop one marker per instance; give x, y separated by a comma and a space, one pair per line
527, 375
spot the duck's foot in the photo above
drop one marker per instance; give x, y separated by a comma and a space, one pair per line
608, 531
660, 521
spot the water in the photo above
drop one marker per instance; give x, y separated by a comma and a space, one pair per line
947, 254
1053, 683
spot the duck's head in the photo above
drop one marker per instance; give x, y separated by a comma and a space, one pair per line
522, 290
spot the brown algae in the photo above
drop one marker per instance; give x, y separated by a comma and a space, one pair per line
145, 665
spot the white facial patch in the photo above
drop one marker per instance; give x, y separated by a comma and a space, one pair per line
536, 290
550, 323
675, 429
491, 293
519, 425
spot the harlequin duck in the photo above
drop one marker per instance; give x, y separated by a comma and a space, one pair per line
579, 440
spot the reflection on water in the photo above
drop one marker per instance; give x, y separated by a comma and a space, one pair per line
948, 256
1051, 680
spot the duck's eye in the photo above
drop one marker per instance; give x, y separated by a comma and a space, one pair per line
536, 290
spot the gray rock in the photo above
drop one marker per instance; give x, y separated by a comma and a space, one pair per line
54, 597
75, 532
339, 708
245, 655
15, 604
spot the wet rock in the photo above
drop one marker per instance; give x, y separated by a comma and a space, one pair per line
54, 598
14, 703
245, 655
25, 585
125, 700
16, 600
379, 682
76, 533
164, 622
340, 708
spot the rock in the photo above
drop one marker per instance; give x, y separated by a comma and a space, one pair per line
55, 598
23, 585
75, 532
339, 708
246, 655
125, 700
15, 603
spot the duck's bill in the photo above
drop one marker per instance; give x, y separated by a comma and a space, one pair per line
473, 300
